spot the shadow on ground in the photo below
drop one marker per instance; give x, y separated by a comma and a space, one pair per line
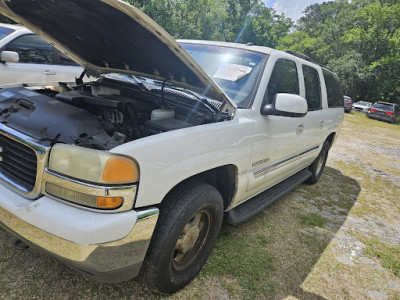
270, 256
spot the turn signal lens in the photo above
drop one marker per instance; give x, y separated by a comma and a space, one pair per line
119, 170
109, 202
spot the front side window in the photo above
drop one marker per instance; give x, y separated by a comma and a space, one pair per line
333, 89
32, 49
313, 88
284, 79
66, 61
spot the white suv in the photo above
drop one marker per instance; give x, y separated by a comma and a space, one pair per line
137, 170
27, 59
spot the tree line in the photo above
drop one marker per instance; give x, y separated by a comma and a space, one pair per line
358, 39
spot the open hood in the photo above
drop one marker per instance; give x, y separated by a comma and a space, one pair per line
106, 36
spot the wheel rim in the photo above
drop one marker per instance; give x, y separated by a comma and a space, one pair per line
321, 161
191, 240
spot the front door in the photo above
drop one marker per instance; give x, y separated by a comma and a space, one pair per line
277, 140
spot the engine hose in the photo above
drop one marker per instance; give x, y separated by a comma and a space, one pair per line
134, 125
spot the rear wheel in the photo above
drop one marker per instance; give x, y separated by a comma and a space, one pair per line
318, 166
187, 229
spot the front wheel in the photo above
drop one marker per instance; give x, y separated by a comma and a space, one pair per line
318, 166
187, 229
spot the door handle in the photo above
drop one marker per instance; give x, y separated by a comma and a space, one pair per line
48, 72
300, 129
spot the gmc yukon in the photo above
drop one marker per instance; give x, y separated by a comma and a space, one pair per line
135, 171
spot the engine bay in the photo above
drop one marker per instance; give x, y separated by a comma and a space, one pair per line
106, 113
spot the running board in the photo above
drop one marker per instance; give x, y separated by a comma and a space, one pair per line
258, 203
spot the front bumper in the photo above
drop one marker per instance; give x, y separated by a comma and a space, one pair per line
107, 247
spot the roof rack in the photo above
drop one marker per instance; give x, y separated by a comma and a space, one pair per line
307, 58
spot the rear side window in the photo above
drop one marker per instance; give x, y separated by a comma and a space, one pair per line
313, 87
284, 79
333, 89
32, 49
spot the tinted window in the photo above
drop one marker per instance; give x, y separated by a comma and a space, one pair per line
383, 106
333, 89
4, 32
32, 49
65, 60
284, 79
313, 87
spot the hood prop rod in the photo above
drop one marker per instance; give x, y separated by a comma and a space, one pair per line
164, 105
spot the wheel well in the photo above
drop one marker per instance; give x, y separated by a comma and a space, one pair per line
222, 178
331, 138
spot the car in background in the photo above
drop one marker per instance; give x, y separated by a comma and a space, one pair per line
28, 60
348, 103
362, 106
384, 111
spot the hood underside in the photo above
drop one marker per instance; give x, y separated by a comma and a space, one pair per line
107, 36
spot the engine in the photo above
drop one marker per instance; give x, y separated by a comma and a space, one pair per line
102, 115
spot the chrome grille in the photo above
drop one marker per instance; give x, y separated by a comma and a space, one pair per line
18, 162
22, 161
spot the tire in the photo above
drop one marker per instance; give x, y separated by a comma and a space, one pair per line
318, 166
187, 229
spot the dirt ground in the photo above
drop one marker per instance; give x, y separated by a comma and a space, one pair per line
338, 239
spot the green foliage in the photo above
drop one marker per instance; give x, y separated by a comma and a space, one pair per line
227, 20
359, 39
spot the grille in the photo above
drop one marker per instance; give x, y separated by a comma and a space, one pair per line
18, 162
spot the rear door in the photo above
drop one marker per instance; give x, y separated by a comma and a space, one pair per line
315, 120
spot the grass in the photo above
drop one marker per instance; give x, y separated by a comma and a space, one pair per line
313, 219
388, 255
246, 258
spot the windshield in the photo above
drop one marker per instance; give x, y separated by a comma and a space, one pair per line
236, 71
4, 31
364, 103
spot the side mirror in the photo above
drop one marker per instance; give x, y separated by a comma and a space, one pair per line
9, 56
286, 105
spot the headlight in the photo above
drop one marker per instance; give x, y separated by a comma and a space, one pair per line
93, 165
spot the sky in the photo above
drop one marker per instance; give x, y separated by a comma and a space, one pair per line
291, 8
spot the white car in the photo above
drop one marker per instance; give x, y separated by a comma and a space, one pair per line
362, 106
138, 169
28, 60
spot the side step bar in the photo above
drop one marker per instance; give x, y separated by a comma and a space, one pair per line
258, 203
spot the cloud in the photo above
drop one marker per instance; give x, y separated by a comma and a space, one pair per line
292, 9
